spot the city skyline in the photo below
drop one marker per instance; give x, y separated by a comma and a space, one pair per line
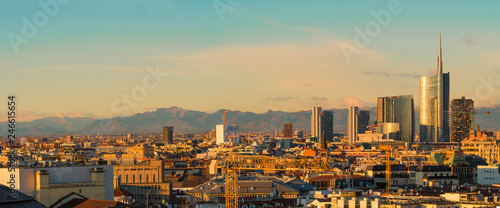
89, 68
250, 104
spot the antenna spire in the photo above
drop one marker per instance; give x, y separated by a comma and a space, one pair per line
440, 57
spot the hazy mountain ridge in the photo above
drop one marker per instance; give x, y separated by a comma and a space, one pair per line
190, 121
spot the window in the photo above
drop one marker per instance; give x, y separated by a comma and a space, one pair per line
133, 178
154, 178
244, 206
147, 178
126, 178
140, 178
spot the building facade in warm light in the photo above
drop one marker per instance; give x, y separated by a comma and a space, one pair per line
287, 130
435, 105
143, 180
400, 110
48, 185
316, 122
167, 134
142, 151
352, 124
462, 119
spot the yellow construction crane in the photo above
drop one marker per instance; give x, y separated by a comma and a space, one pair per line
236, 163
388, 153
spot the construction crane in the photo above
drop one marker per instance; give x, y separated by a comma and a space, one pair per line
224, 117
236, 163
388, 153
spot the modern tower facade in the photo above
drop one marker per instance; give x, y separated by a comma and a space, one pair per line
315, 122
363, 121
352, 124
398, 109
462, 119
435, 104
287, 130
227, 134
326, 123
168, 134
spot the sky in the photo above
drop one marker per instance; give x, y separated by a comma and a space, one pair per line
118, 57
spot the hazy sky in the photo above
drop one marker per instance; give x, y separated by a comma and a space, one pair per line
90, 57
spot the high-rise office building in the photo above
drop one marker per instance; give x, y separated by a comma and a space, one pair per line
398, 109
326, 123
227, 134
168, 134
435, 104
352, 124
363, 121
315, 122
287, 130
462, 119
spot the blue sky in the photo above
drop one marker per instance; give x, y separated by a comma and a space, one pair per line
279, 55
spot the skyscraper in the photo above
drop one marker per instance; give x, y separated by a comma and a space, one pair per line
398, 109
287, 130
363, 121
435, 104
168, 134
462, 118
352, 124
227, 134
315, 122
326, 123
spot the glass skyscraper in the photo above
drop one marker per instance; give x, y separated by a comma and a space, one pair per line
363, 121
435, 105
398, 109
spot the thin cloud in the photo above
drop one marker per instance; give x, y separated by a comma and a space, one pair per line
432, 72
318, 98
410, 75
280, 98
468, 39
388, 74
354, 101
79, 67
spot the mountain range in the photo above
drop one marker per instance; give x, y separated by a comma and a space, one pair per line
191, 121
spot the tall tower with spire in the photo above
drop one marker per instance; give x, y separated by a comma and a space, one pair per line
440, 57
435, 104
